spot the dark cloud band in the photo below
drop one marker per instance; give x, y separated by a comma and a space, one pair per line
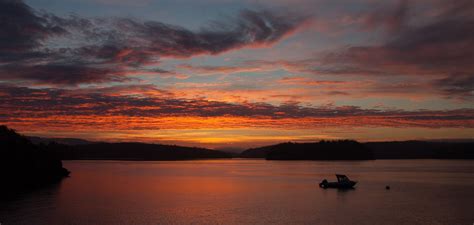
146, 101
110, 47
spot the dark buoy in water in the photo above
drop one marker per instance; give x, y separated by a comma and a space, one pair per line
387, 187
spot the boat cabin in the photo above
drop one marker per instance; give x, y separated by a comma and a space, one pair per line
342, 178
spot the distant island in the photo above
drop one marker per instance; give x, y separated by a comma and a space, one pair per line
422, 150
323, 150
352, 150
24, 165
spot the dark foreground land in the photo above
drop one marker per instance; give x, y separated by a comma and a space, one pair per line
24, 165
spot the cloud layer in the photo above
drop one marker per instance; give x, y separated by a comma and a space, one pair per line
442, 47
47, 49
147, 103
437, 48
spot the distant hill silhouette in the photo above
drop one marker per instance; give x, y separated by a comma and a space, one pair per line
65, 141
323, 150
24, 165
346, 150
234, 151
133, 151
73, 148
422, 150
260, 152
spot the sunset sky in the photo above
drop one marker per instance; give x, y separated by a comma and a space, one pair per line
228, 73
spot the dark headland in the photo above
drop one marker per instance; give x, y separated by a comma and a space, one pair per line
30, 162
24, 165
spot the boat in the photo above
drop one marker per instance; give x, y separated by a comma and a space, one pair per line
343, 182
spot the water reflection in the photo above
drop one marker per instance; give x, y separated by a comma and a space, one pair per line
35, 204
250, 192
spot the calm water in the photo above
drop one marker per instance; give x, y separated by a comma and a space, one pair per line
251, 192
